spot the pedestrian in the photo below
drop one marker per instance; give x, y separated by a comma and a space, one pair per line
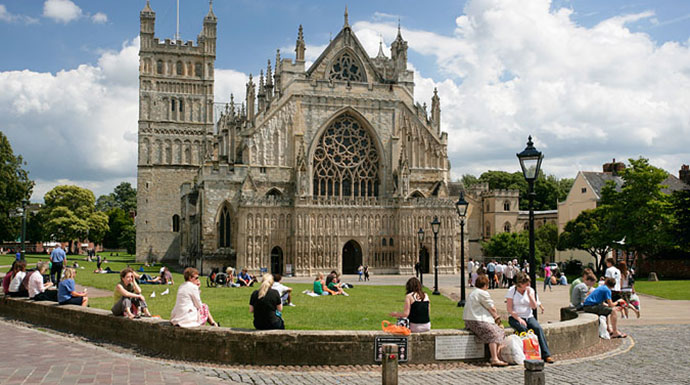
470, 268
416, 269
599, 302
57, 259
360, 272
613, 272
366, 272
491, 272
547, 277
482, 319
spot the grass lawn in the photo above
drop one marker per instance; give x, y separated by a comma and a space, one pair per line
677, 290
364, 309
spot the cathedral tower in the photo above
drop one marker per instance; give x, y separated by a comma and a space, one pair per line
175, 122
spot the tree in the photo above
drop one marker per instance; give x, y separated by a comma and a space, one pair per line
591, 232
128, 237
680, 201
125, 196
507, 245
15, 187
469, 180
545, 241
106, 203
35, 227
118, 220
548, 189
71, 215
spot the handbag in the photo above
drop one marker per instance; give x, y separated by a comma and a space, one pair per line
394, 329
530, 345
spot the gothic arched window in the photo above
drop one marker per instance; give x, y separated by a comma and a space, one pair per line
506, 206
179, 68
159, 67
506, 227
347, 67
346, 162
224, 228
176, 223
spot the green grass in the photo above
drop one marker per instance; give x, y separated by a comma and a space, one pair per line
676, 290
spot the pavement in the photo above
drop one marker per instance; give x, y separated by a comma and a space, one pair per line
654, 353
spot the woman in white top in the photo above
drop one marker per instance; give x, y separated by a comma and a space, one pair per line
16, 289
37, 289
521, 300
189, 311
482, 319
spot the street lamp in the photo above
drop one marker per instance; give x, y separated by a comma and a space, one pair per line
435, 225
530, 162
461, 208
420, 236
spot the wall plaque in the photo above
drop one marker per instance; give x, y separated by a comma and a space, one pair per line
458, 347
403, 349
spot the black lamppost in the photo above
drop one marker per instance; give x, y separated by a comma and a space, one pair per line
530, 162
24, 204
461, 208
435, 225
420, 236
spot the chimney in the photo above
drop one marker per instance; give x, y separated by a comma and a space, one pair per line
684, 173
614, 168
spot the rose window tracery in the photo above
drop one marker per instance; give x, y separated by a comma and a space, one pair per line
346, 161
347, 67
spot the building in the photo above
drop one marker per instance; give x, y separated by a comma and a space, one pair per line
320, 168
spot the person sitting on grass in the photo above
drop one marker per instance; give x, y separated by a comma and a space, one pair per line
416, 308
320, 287
230, 272
581, 291
37, 288
266, 306
599, 303
67, 295
128, 299
520, 302
189, 311
16, 289
284, 291
245, 279
482, 319
335, 285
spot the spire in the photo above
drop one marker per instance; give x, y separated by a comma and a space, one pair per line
381, 54
436, 111
277, 74
147, 7
269, 76
399, 34
300, 47
347, 22
210, 15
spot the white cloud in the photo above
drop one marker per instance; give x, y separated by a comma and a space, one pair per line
99, 18
62, 11
8, 17
587, 95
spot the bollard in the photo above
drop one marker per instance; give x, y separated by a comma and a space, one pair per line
534, 372
390, 364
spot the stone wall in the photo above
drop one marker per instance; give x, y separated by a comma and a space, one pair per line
238, 346
664, 268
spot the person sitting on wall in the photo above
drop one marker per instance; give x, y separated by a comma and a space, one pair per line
245, 279
16, 289
67, 295
189, 311
266, 306
585, 272
482, 319
581, 291
284, 291
128, 299
416, 308
599, 303
521, 301
7, 279
36, 286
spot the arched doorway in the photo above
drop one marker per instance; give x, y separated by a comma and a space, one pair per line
352, 257
424, 260
277, 260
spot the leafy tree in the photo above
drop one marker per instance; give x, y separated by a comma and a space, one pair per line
548, 189
469, 180
545, 241
507, 245
15, 187
680, 201
591, 232
125, 196
35, 227
641, 212
127, 239
118, 220
71, 215
106, 203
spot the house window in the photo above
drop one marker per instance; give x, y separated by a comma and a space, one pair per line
584, 190
506, 206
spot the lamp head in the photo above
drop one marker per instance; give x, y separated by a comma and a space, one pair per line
530, 161
435, 225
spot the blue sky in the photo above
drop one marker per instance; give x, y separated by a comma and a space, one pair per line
591, 80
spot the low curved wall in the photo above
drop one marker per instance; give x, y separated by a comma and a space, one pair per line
241, 346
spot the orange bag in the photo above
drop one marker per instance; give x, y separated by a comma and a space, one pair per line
530, 345
395, 329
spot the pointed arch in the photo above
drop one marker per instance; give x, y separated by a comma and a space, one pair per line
224, 225
346, 66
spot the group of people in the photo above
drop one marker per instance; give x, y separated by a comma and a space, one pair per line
363, 272
327, 285
500, 274
36, 285
553, 276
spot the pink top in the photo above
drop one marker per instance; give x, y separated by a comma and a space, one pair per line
547, 271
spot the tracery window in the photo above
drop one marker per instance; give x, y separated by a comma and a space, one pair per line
346, 162
347, 67
506, 206
224, 228
506, 227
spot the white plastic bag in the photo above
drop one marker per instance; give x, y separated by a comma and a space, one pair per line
603, 332
511, 351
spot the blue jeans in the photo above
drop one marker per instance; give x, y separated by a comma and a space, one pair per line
547, 281
534, 325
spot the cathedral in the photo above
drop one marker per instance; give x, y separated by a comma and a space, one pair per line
319, 168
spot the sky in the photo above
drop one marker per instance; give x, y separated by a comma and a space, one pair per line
590, 80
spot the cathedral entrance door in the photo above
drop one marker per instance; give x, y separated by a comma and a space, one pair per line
352, 257
277, 260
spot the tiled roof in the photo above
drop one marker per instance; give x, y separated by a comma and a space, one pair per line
598, 180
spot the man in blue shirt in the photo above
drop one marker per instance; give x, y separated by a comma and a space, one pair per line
57, 259
599, 303
491, 272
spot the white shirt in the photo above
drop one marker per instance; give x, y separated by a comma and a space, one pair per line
35, 284
17, 281
499, 268
509, 271
477, 306
470, 266
613, 272
521, 302
186, 310
280, 288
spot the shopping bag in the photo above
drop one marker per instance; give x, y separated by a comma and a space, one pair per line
511, 350
530, 345
603, 331
394, 329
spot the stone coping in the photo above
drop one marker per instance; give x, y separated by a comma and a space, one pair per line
252, 347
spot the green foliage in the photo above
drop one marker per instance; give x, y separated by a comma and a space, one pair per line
106, 203
124, 196
15, 187
70, 213
128, 238
469, 180
548, 189
591, 231
680, 201
117, 221
507, 245
35, 227
545, 241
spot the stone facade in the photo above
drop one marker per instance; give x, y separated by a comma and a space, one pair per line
320, 168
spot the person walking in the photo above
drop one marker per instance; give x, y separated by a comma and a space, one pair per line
547, 277
57, 260
491, 272
360, 272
